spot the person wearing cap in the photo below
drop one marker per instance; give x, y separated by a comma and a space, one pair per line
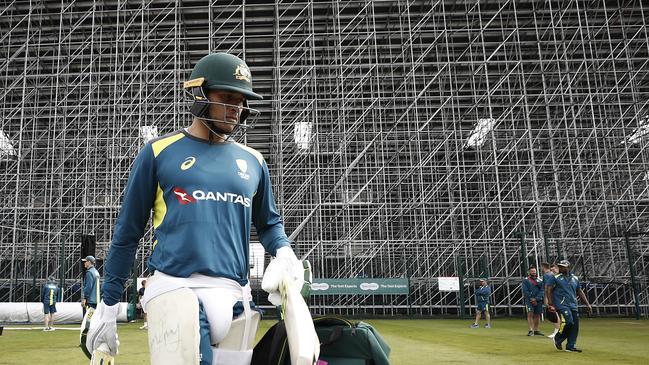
205, 190
49, 295
532, 289
482, 295
91, 288
561, 292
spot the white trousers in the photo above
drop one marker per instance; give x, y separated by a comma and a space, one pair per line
217, 295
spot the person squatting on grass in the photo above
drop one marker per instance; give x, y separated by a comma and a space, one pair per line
562, 291
482, 295
532, 289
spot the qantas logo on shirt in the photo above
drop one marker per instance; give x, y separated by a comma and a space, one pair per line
185, 198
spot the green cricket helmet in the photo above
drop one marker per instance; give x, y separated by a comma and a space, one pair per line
219, 71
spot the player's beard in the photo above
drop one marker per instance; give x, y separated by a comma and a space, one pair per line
220, 126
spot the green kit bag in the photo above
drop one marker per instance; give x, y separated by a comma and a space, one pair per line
343, 342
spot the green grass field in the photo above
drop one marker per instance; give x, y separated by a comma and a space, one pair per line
427, 341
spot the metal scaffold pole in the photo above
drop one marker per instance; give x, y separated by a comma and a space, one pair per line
632, 274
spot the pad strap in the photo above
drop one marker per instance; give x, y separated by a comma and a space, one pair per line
247, 312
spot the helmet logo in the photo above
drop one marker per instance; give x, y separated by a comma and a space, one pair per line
242, 73
189, 162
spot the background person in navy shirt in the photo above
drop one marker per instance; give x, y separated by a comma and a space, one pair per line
91, 289
50, 295
562, 293
140, 295
482, 295
533, 292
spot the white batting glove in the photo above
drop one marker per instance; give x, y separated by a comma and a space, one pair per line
103, 329
285, 266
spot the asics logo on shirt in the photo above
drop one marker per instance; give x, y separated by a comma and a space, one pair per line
189, 162
185, 198
243, 167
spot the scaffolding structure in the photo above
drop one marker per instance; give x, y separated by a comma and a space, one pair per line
412, 139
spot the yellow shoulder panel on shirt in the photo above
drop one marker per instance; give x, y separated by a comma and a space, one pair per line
159, 208
252, 151
165, 142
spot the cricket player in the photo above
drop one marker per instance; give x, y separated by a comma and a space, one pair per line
91, 287
49, 295
533, 293
482, 295
140, 296
562, 291
205, 189
548, 272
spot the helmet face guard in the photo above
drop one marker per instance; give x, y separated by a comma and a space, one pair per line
201, 105
221, 71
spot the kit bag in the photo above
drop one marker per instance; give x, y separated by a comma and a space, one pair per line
342, 342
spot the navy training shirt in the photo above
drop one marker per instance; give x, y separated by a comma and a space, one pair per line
204, 197
532, 288
482, 294
91, 291
50, 293
565, 290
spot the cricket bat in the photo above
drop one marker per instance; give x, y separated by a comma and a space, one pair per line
303, 342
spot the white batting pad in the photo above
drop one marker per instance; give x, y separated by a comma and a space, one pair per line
173, 322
